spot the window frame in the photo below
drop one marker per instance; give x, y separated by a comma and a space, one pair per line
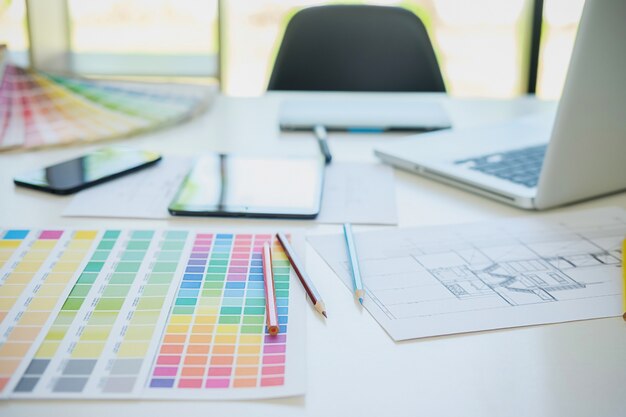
49, 32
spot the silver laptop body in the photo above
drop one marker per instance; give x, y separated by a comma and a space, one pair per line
578, 153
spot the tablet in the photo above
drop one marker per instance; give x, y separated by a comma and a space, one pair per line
232, 185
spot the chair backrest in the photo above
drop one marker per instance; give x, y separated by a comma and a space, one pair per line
356, 48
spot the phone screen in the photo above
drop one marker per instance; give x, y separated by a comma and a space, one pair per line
90, 169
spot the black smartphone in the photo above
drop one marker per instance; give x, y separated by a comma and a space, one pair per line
94, 168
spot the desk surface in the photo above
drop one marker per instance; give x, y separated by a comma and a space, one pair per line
354, 368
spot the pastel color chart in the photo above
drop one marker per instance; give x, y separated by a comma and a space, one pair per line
33, 288
146, 314
39, 109
67, 315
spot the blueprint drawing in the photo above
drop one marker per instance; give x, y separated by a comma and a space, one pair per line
539, 269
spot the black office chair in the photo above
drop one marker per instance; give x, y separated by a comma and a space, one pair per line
356, 48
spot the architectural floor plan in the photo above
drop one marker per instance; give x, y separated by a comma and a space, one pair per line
450, 279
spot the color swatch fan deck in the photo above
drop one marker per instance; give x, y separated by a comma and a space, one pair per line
39, 109
168, 314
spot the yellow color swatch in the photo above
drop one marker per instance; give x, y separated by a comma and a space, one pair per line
43, 304
85, 234
250, 339
61, 267
180, 319
9, 244
11, 290
43, 244
79, 244
227, 329
51, 290
88, 350
225, 339
139, 333
35, 256
21, 278
72, 256
34, 318
47, 349
6, 303
59, 278
96, 333
249, 349
28, 266
177, 328
133, 349
206, 319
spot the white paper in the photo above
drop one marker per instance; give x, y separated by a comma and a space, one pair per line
431, 281
360, 193
145, 194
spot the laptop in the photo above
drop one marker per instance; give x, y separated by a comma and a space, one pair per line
546, 160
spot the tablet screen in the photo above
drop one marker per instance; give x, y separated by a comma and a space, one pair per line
232, 185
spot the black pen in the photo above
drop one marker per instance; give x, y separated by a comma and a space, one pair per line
321, 135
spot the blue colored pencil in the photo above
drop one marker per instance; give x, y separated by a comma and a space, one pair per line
359, 293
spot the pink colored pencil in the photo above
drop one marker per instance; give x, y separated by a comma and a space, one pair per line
271, 312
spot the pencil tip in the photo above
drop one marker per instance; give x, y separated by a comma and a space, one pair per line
324, 314
361, 300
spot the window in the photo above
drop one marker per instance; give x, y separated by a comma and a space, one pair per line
139, 37
482, 45
560, 22
13, 29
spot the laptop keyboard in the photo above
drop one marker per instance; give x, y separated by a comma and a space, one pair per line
521, 166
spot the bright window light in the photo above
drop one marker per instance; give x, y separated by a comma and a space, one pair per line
144, 26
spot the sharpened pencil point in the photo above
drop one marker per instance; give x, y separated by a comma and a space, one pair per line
361, 300
324, 314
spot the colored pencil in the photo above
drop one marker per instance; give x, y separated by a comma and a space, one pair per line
271, 313
304, 278
624, 279
353, 260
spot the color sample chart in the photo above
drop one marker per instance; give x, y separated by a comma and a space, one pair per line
39, 109
66, 316
155, 314
35, 281
216, 336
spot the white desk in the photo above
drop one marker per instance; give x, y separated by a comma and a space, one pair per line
354, 368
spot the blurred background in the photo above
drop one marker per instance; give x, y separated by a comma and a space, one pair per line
482, 45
